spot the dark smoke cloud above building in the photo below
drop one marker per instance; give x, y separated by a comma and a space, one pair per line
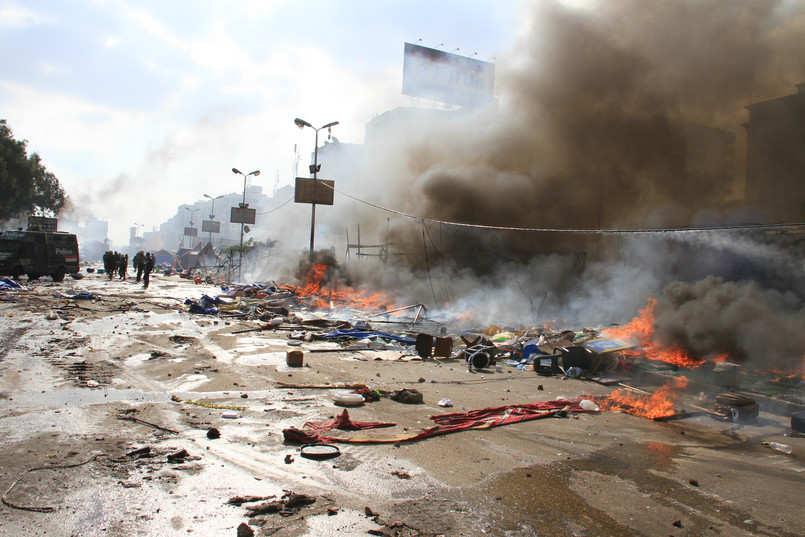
628, 114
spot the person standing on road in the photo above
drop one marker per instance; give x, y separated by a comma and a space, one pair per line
114, 261
107, 261
149, 266
124, 266
139, 265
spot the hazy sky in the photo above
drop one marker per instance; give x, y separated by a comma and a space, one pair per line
139, 106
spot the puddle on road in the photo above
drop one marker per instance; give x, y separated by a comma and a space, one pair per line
80, 397
84, 397
269, 358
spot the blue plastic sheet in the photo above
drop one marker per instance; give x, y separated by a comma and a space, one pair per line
84, 296
8, 283
205, 306
361, 334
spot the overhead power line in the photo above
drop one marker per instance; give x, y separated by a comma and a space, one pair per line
736, 227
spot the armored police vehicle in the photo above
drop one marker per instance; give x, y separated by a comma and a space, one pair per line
38, 253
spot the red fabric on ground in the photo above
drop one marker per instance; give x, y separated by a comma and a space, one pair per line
484, 418
343, 422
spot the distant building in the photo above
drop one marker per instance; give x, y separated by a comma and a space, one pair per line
709, 167
775, 157
338, 161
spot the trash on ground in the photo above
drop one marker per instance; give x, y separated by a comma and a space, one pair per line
783, 448
736, 407
446, 423
408, 396
320, 451
348, 399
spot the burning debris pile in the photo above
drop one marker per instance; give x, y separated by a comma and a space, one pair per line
657, 405
323, 307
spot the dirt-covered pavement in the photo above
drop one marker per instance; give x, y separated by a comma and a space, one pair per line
108, 409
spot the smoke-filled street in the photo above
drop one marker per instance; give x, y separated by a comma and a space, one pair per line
123, 413
404, 269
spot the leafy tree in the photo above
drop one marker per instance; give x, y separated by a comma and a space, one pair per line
26, 186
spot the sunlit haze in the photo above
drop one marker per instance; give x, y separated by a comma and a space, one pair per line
138, 107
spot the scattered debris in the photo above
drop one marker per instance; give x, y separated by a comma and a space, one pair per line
320, 451
340, 386
143, 422
798, 421
408, 396
288, 505
178, 457
295, 358
205, 404
446, 423
736, 407
348, 399
140, 453
240, 500
783, 448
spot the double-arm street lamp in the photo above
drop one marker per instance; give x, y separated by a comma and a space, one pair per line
243, 205
212, 210
192, 211
314, 168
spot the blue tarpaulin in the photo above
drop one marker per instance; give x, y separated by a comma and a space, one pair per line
361, 334
8, 283
84, 296
206, 305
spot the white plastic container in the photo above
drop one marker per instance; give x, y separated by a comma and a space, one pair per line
348, 399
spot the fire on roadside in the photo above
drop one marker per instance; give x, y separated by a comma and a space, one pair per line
640, 331
659, 404
323, 290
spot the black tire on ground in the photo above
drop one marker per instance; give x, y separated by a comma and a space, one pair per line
798, 421
58, 276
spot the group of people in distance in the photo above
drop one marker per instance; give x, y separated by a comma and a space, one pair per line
115, 263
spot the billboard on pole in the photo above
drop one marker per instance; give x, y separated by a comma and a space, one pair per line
210, 226
448, 78
242, 215
42, 223
191, 232
318, 191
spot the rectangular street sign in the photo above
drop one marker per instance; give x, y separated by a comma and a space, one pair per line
318, 191
242, 215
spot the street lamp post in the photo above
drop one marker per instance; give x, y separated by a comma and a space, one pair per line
212, 210
301, 123
243, 205
137, 230
192, 211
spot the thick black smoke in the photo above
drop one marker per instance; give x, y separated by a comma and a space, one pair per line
710, 317
603, 117
602, 120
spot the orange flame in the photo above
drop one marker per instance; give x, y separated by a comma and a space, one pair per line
659, 404
783, 377
640, 331
324, 292
465, 318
